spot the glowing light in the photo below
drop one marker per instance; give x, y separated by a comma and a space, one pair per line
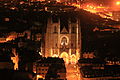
99, 10
34, 71
15, 59
39, 76
13, 8
10, 38
22, 2
76, 5
118, 3
96, 29
73, 59
90, 8
40, 53
51, 51
92, 11
55, 55
58, 1
64, 55
77, 54
7, 19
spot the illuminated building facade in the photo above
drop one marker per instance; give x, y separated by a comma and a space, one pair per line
61, 41
116, 15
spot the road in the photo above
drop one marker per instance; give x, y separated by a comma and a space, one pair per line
73, 72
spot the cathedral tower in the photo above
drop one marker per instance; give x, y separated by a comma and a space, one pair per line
63, 39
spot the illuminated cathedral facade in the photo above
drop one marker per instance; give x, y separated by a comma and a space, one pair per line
63, 41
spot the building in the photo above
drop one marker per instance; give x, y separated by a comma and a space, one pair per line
47, 67
116, 15
88, 55
93, 63
63, 39
98, 69
106, 73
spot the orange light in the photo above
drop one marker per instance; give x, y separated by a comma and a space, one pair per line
22, 2
55, 55
10, 38
15, 61
64, 55
73, 59
91, 8
39, 76
76, 5
118, 3
7, 19
58, 1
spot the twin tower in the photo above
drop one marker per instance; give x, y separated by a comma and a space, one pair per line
63, 38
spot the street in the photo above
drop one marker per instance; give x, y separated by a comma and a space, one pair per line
73, 72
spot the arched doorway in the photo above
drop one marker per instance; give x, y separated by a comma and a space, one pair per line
65, 57
73, 59
55, 55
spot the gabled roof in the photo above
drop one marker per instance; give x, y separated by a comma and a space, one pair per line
64, 30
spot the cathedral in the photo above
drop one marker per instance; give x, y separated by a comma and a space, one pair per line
63, 38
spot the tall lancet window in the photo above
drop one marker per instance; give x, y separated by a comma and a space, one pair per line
55, 29
73, 29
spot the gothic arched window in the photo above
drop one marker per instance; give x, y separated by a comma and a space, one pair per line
55, 29
64, 41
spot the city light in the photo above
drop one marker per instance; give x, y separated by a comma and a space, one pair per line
60, 39
118, 3
55, 55
39, 76
40, 53
76, 5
